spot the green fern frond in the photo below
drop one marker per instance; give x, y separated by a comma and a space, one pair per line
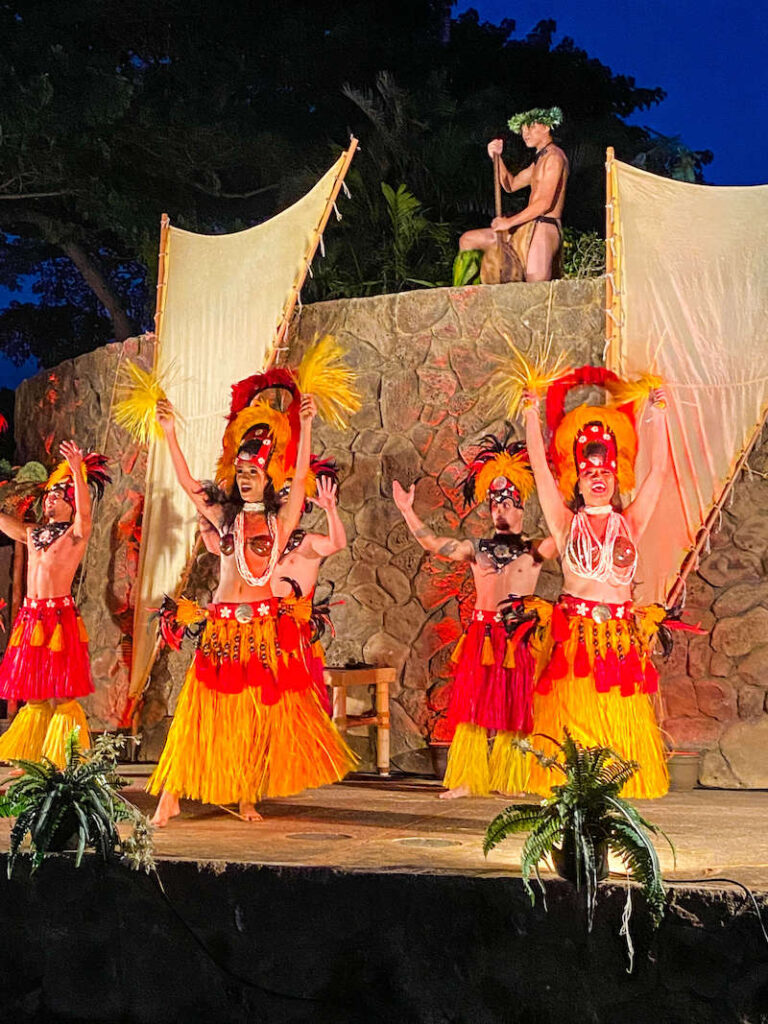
518, 818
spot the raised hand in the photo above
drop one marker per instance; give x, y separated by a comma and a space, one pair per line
531, 400
659, 399
73, 454
307, 409
495, 147
326, 494
403, 499
165, 415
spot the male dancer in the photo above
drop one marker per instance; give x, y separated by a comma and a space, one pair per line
535, 233
493, 684
46, 663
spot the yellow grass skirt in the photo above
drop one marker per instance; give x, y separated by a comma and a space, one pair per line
506, 771
41, 730
626, 724
229, 747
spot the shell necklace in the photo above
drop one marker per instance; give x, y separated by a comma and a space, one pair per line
240, 562
580, 551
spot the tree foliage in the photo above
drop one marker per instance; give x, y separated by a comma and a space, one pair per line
113, 111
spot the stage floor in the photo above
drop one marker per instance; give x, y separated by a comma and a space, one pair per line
400, 825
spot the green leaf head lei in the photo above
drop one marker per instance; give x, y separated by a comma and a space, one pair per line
552, 117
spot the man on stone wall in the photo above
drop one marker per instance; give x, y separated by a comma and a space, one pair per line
46, 663
494, 677
528, 245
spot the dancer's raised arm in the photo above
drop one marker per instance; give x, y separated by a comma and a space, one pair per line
556, 512
81, 521
445, 547
166, 417
639, 512
13, 527
290, 513
336, 538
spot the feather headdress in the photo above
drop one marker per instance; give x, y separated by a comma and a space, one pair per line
93, 470
499, 469
611, 427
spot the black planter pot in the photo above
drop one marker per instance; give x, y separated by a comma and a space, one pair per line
565, 860
65, 838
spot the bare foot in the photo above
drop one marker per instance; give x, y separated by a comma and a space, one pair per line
248, 812
167, 808
456, 794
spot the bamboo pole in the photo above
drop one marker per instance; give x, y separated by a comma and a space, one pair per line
691, 559
162, 287
293, 295
162, 277
610, 264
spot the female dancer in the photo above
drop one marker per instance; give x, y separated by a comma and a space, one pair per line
600, 677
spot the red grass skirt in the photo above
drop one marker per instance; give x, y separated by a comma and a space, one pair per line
609, 644
47, 654
492, 686
300, 609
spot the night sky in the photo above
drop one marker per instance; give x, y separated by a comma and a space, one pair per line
709, 57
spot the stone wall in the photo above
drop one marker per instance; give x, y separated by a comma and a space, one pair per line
424, 359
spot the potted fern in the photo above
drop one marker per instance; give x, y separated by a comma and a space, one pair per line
581, 821
77, 807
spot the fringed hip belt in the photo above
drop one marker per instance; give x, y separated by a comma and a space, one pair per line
611, 644
517, 621
48, 622
240, 644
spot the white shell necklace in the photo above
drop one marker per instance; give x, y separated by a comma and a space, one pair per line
240, 562
580, 550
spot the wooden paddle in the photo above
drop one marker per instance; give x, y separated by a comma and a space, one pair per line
500, 264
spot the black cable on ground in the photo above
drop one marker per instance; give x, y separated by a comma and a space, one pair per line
232, 975
730, 881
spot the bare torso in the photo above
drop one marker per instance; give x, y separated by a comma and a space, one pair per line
493, 586
298, 565
50, 571
555, 204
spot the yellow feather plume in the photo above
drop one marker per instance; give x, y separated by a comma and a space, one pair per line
519, 373
62, 474
140, 391
188, 612
322, 373
635, 392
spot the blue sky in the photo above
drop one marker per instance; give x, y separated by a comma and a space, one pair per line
709, 57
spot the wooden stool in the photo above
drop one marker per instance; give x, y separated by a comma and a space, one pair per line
339, 679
